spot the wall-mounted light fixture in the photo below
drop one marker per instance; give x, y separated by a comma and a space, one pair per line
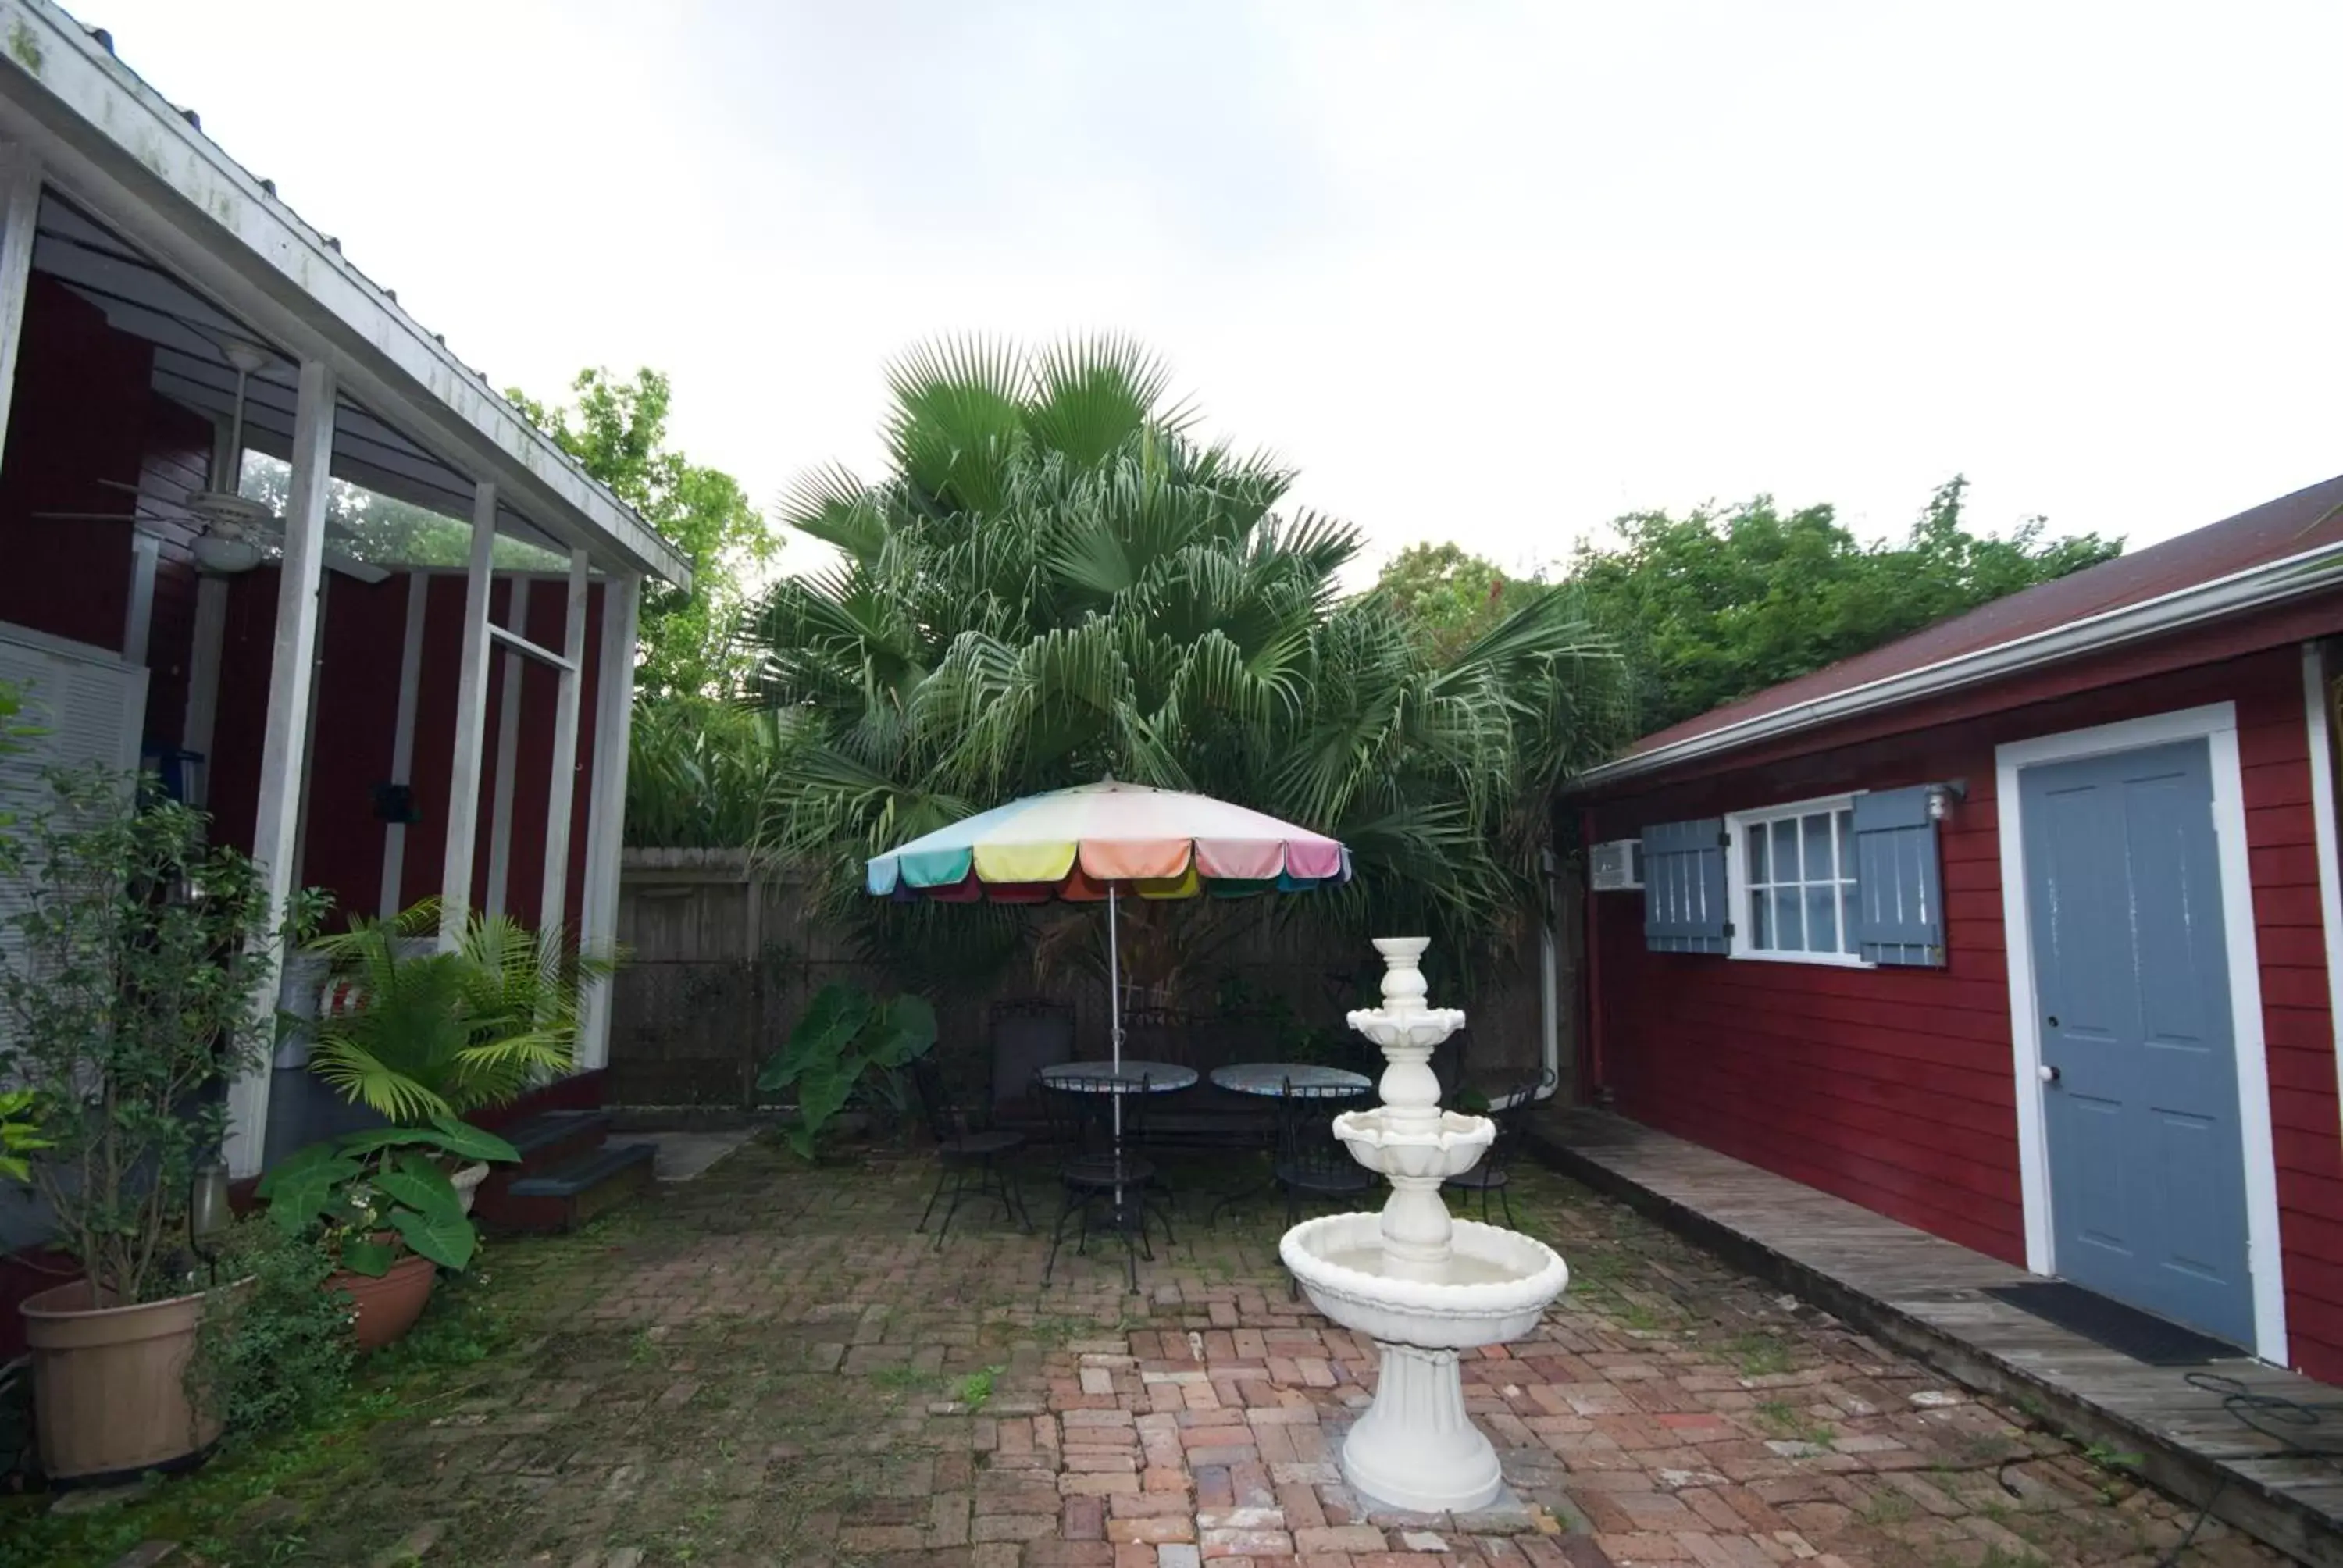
208, 1214
1942, 796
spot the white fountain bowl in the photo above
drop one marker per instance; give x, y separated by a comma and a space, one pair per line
1435, 1316
1418, 1029
1451, 1148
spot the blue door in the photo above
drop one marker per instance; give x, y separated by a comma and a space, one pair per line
2147, 1188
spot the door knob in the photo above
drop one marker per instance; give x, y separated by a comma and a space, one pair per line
2054, 1021
2047, 1073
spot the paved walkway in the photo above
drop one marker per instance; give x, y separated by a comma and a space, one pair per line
1925, 1295
766, 1366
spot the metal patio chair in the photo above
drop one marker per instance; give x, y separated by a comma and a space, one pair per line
963, 1152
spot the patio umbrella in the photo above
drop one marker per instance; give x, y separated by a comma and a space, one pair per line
1098, 842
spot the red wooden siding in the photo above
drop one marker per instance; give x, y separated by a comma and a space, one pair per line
359, 637
84, 411
1895, 1088
362, 634
78, 416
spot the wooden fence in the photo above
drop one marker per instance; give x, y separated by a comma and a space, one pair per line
721, 960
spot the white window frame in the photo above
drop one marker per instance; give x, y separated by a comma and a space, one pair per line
1738, 826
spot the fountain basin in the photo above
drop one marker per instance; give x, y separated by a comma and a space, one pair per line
1414, 1029
1499, 1282
1393, 1143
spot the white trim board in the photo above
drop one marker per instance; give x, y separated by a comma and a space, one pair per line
2319, 735
2215, 724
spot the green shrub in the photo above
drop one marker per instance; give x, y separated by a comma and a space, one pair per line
845, 1042
276, 1353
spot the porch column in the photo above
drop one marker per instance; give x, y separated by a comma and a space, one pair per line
290, 669
500, 810
471, 722
553, 899
402, 743
605, 814
20, 207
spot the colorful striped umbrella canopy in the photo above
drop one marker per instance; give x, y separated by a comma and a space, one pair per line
1095, 840
1101, 841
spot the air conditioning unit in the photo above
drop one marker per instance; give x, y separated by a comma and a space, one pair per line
1616, 866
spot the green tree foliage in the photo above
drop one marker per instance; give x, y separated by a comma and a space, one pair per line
696, 772
1714, 606
389, 533
1450, 596
616, 429
1056, 580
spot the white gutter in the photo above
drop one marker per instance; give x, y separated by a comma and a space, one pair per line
105, 137
2289, 577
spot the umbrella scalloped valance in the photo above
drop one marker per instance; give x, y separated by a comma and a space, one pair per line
1079, 843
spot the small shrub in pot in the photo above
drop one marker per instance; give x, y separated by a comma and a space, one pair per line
131, 994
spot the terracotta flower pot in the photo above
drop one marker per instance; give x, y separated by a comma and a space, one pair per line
388, 1306
109, 1383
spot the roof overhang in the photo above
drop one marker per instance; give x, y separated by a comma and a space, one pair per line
119, 148
2256, 587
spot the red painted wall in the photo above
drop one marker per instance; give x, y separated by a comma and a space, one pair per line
78, 416
1893, 1087
84, 411
362, 633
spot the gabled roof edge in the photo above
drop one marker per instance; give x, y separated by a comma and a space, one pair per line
2272, 582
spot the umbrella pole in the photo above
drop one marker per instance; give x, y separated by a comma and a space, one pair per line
1114, 1013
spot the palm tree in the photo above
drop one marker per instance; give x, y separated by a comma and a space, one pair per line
443, 1032
1056, 580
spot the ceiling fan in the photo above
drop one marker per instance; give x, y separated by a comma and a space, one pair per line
236, 530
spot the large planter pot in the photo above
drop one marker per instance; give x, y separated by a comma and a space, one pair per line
109, 1383
467, 1179
385, 1307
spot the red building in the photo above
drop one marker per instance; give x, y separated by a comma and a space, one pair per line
383, 715
2023, 930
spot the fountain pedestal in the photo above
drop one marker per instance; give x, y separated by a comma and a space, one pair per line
1422, 1285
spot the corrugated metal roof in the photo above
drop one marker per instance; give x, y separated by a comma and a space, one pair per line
2289, 526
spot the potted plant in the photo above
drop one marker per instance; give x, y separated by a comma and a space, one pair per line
424, 1032
131, 988
386, 1211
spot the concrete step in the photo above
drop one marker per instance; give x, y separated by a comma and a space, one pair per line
568, 1195
547, 1142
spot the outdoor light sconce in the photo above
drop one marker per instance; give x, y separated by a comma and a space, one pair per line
208, 1214
1942, 796
396, 803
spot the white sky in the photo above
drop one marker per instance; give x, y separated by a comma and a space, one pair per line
1483, 271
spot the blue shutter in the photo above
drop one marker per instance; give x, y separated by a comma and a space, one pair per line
1899, 891
1683, 888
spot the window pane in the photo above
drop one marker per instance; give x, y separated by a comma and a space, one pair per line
1846, 845
1847, 905
1822, 919
1757, 854
1789, 929
1761, 927
1818, 847
1785, 853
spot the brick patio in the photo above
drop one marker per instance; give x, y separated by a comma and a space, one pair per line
766, 1365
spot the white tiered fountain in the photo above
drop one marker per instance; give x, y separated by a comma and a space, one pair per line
1420, 1284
